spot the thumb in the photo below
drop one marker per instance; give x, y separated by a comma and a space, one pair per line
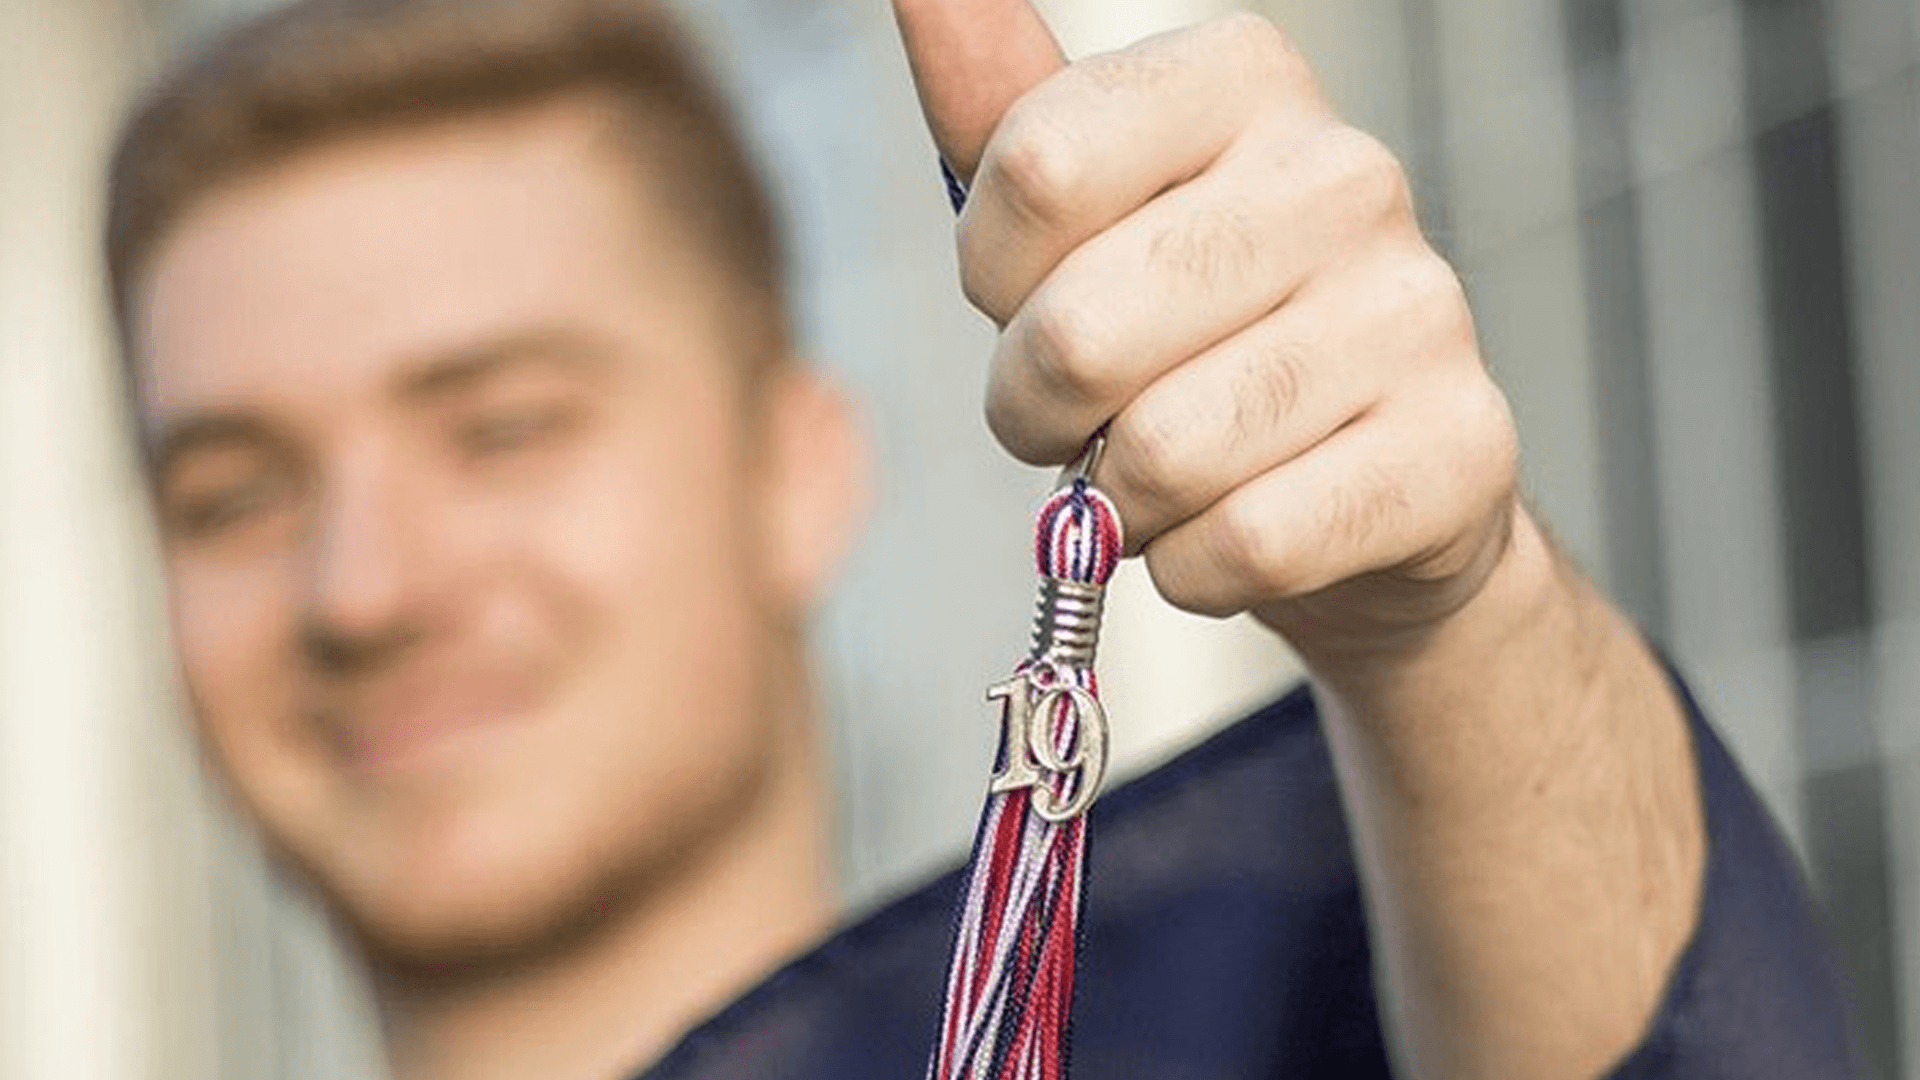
971, 59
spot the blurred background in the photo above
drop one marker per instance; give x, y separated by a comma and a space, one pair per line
1691, 229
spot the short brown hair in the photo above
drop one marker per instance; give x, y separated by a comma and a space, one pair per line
323, 69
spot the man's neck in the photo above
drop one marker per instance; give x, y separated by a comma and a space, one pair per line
620, 1001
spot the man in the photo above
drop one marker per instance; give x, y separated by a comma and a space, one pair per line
493, 501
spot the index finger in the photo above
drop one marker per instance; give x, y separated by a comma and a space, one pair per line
1095, 144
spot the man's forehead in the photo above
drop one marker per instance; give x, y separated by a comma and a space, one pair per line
402, 242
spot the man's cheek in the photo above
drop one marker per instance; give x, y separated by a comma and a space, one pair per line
234, 643
603, 529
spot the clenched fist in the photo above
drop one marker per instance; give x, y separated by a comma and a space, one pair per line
1182, 241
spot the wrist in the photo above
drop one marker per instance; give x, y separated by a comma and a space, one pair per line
1517, 589
1535, 675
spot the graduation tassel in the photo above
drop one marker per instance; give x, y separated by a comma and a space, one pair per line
1010, 982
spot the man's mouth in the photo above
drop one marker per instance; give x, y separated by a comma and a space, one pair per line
417, 724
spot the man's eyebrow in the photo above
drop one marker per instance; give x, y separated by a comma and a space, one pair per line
435, 377
458, 369
178, 438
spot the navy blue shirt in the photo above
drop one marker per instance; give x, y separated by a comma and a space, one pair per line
1225, 941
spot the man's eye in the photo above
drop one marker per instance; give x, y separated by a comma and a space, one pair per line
207, 513
507, 430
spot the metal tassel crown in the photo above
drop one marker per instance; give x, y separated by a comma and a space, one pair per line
1066, 622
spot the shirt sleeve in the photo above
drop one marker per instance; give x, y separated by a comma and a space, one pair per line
1755, 995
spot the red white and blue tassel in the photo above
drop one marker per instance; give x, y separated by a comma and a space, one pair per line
1010, 982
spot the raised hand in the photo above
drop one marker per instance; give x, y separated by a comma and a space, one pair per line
1183, 241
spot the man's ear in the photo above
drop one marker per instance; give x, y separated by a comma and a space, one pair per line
817, 483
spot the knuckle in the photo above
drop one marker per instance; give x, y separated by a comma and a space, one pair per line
1034, 167
1477, 447
1183, 576
1493, 442
1253, 31
1009, 420
1266, 46
1483, 479
1144, 454
1247, 549
978, 291
1064, 348
1368, 172
1434, 300
1433, 283
979, 279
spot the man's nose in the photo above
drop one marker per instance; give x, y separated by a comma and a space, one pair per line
371, 578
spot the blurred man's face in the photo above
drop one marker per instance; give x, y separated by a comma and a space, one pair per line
461, 513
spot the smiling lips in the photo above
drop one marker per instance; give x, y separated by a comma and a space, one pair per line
409, 722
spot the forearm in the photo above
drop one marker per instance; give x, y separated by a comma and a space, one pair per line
1525, 808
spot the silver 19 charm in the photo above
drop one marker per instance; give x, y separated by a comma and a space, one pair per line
1033, 759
